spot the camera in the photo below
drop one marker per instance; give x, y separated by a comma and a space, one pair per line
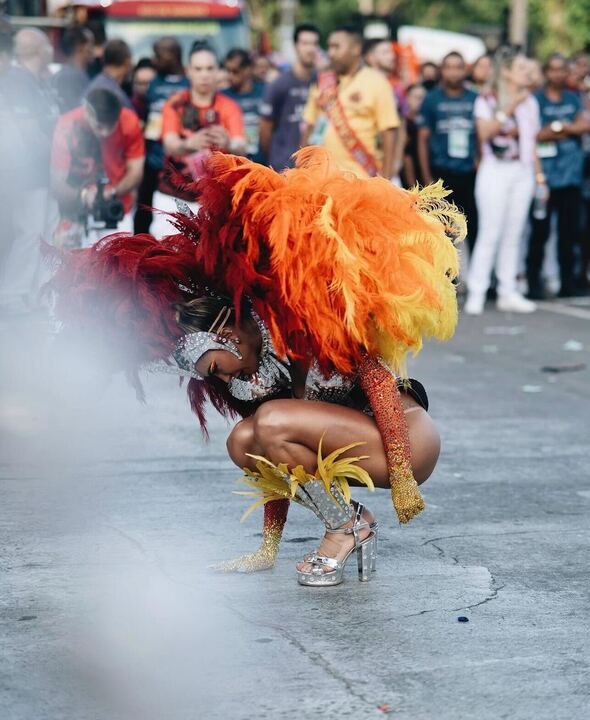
109, 211
192, 120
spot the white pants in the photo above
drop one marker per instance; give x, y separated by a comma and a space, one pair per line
164, 204
31, 220
503, 193
93, 235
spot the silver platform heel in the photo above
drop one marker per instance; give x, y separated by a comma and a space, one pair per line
327, 571
327, 495
374, 526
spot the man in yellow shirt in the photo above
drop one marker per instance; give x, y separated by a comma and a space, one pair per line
351, 110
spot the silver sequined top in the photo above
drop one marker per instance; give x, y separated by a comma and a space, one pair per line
335, 388
273, 378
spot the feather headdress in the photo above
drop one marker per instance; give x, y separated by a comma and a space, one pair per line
336, 266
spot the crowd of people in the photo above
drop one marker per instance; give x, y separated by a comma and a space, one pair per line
93, 147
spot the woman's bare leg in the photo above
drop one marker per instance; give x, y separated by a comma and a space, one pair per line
289, 431
241, 443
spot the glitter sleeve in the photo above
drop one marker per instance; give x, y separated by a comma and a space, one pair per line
275, 516
380, 388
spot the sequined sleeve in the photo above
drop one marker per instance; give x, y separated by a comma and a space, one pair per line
381, 390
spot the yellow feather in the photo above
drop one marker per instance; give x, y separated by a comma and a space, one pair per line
274, 482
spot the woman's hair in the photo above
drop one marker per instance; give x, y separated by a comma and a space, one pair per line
504, 58
204, 313
209, 313
144, 62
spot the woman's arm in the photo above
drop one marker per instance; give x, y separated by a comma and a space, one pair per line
423, 154
380, 388
489, 128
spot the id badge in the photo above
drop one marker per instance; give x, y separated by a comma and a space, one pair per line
458, 143
546, 150
252, 136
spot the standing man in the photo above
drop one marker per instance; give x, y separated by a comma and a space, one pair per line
284, 101
562, 157
248, 94
379, 55
32, 111
169, 80
96, 163
447, 142
71, 80
429, 75
351, 110
116, 69
194, 122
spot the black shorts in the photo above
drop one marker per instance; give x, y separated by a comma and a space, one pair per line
415, 389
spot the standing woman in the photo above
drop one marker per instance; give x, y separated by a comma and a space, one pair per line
507, 121
410, 173
481, 74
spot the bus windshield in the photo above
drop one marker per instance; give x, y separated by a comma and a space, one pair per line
141, 34
140, 22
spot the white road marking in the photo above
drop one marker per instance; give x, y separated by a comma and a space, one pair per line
562, 309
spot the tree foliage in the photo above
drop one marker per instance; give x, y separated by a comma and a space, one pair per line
554, 25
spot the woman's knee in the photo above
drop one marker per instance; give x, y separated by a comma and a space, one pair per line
271, 422
241, 441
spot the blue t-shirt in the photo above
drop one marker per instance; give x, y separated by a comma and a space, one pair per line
563, 160
284, 102
106, 82
452, 144
160, 89
250, 103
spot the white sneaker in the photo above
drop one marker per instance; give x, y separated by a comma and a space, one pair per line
474, 305
515, 303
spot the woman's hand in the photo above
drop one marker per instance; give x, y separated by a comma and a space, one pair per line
545, 189
299, 370
262, 559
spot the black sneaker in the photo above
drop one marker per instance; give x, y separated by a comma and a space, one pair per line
536, 292
573, 292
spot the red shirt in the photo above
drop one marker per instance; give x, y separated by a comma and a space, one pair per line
223, 111
76, 150
182, 117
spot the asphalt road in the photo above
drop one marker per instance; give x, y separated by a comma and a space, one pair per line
112, 511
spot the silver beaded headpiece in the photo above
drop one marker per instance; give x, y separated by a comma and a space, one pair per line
191, 347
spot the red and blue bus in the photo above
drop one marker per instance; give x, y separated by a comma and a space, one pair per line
140, 22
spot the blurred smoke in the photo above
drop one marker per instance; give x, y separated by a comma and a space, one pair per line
99, 625
133, 632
